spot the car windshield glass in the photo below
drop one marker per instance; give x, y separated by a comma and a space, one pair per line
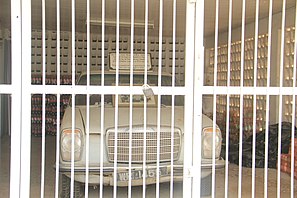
124, 79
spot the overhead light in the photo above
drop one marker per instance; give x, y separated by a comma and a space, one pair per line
126, 24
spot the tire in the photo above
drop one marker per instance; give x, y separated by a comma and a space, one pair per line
65, 188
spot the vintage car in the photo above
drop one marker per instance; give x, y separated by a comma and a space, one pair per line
128, 143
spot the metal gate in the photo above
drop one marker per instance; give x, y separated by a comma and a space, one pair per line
123, 106
145, 139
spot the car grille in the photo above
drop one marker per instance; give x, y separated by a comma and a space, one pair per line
138, 145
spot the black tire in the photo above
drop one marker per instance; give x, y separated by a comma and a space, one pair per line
65, 188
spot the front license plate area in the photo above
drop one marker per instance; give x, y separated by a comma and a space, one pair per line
138, 174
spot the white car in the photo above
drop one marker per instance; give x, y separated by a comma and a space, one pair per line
108, 136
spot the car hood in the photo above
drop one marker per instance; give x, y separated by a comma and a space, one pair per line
124, 117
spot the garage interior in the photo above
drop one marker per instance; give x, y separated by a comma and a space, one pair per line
216, 60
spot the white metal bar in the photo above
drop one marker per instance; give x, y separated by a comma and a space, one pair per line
116, 113
273, 91
73, 95
66, 89
16, 63
110, 90
188, 114
241, 100
102, 97
58, 101
88, 103
255, 98
213, 170
7, 89
159, 97
173, 96
293, 112
25, 99
72, 144
131, 100
228, 100
198, 84
280, 110
145, 103
267, 99
57, 144
43, 102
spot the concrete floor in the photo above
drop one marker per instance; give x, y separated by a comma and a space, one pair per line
136, 191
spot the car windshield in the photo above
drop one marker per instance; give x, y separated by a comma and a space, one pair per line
124, 79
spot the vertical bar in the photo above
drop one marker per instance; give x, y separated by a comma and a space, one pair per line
159, 98
58, 102
255, 99
73, 95
16, 62
144, 104
25, 100
189, 79
241, 99
88, 103
280, 96
267, 99
173, 96
116, 113
102, 97
197, 86
43, 102
213, 170
228, 100
293, 112
131, 99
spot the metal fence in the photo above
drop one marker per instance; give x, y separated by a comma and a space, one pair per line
127, 105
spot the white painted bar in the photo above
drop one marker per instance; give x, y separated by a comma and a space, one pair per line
173, 96
267, 99
145, 102
213, 170
241, 100
228, 99
88, 103
25, 100
273, 91
16, 38
293, 113
188, 114
280, 109
66, 89
43, 102
131, 100
159, 98
198, 84
58, 102
57, 164
7, 89
73, 94
255, 99
116, 113
102, 99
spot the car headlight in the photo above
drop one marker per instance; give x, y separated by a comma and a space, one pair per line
66, 144
207, 142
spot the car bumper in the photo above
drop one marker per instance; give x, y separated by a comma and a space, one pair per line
166, 173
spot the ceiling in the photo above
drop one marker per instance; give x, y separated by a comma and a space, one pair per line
125, 14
